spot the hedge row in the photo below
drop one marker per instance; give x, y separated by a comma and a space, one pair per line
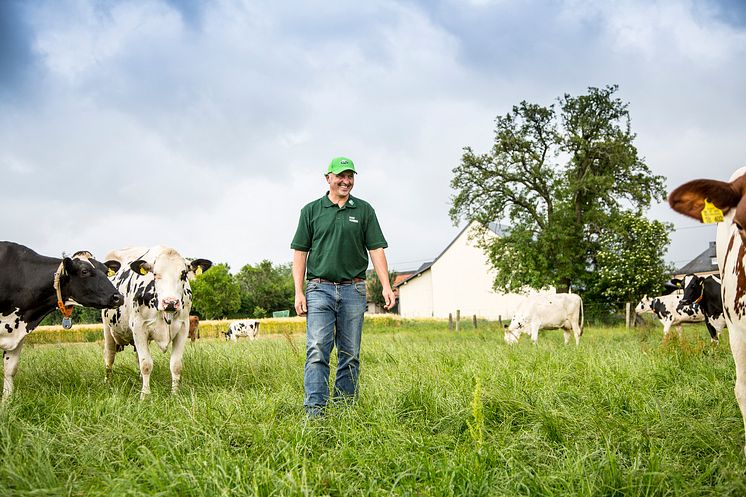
207, 329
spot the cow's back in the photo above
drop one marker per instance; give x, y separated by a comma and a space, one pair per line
551, 311
668, 310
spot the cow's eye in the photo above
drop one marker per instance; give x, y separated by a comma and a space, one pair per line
85, 272
738, 226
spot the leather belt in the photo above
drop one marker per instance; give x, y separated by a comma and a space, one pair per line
343, 282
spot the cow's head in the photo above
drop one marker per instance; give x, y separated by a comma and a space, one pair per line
689, 199
171, 274
514, 330
645, 305
693, 292
84, 281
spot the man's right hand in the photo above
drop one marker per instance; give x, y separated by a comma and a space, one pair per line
301, 309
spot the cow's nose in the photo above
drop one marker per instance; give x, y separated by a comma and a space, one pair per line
117, 299
170, 304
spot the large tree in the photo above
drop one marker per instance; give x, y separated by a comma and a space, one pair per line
216, 294
266, 288
560, 176
628, 263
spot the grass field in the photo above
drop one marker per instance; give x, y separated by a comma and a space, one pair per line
440, 413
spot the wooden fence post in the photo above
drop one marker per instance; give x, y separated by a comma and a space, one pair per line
458, 319
450, 322
474, 320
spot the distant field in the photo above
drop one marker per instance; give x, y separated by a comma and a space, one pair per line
440, 413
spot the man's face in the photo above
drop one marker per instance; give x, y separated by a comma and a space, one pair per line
341, 184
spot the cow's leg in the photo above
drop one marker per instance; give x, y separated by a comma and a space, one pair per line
177, 355
738, 347
110, 352
577, 331
144, 359
712, 330
567, 335
10, 366
535, 332
666, 328
680, 330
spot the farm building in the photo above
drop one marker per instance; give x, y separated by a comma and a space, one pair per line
460, 278
704, 264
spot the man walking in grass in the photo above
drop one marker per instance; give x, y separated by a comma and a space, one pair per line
331, 244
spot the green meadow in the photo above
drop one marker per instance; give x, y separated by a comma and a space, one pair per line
440, 413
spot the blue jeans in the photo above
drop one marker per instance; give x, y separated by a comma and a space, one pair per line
331, 307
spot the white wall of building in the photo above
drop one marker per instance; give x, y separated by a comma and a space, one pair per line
418, 301
460, 279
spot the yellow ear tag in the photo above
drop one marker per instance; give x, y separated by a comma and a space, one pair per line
110, 273
711, 214
198, 271
143, 271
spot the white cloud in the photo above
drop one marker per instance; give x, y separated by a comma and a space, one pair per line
210, 135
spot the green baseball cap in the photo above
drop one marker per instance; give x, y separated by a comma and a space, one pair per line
339, 164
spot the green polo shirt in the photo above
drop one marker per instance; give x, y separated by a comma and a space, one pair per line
337, 239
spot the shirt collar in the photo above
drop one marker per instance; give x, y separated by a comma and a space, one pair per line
350, 204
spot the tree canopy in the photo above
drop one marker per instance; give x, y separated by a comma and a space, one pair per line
565, 178
216, 294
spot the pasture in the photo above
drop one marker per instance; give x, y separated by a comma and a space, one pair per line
440, 413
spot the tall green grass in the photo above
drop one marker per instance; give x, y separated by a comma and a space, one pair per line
439, 413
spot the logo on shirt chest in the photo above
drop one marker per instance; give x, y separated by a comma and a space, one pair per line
352, 219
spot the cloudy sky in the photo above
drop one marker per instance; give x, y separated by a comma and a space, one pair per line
206, 125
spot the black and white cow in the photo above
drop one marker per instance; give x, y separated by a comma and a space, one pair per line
692, 199
666, 309
248, 328
157, 301
541, 312
28, 293
704, 293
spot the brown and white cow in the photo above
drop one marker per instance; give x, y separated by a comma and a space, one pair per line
690, 199
157, 301
541, 312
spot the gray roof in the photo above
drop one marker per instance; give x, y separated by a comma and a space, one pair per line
703, 263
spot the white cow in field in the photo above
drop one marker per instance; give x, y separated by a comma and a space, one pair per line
157, 301
693, 199
666, 309
542, 312
248, 328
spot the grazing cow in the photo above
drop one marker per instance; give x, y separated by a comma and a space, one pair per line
697, 199
157, 301
33, 285
540, 312
704, 293
246, 328
193, 328
666, 309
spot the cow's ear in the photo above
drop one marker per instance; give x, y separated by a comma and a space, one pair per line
69, 265
141, 267
113, 267
689, 199
199, 266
